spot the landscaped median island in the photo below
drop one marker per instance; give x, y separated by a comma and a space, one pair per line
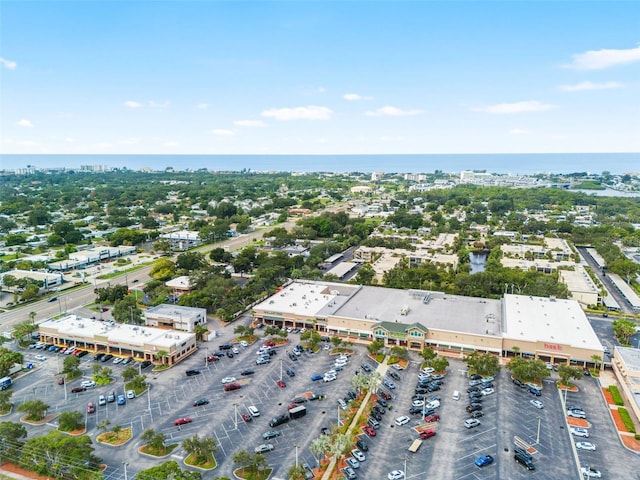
155, 445
200, 452
621, 418
117, 437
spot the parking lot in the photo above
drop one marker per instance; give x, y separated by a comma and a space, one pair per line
508, 417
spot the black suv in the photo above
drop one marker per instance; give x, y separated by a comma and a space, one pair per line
191, 373
362, 445
279, 420
382, 402
379, 409
225, 346
145, 364
394, 375
524, 460
415, 410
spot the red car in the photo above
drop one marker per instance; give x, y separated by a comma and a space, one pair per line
269, 343
427, 433
281, 384
213, 358
432, 418
385, 395
182, 421
369, 431
246, 417
91, 408
231, 386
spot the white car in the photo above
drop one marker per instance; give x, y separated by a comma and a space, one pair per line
396, 475
590, 472
428, 370
117, 360
585, 446
131, 394
487, 379
537, 403
41, 358
265, 447
418, 403
576, 414
432, 404
327, 347
329, 379
358, 455
235, 350
579, 432
397, 367
487, 391
402, 420
88, 384
244, 343
228, 380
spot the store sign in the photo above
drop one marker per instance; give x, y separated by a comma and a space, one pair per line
552, 346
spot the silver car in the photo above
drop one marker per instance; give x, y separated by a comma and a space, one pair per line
265, 447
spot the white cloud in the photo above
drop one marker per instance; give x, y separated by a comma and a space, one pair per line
101, 146
587, 85
24, 123
352, 97
517, 107
203, 106
605, 58
390, 111
70, 140
132, 104
171, 144
129, 141
388, 138
250, 123
311, 112
27, 143
8, 64
222, 132
519, 131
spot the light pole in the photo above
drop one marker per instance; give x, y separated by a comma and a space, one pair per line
405, 467
538, 434
296, 446
235, 416
149, 402
124, 464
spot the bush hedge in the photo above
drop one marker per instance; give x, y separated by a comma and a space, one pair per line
615, 393
626, 419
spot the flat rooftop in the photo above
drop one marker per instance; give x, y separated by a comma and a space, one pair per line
174, 311
548, 320
630, 357
442, 312
578, 280
72, 326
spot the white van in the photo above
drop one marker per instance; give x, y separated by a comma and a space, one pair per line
456, 395
253, 410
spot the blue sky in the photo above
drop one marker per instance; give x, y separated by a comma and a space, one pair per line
314, 77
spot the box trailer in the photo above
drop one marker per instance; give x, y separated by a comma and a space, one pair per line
5, 383
298, 412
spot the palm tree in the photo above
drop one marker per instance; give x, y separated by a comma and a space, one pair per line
297, 472
200, 330
201, 448
161, 355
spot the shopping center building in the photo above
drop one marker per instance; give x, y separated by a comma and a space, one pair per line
137, 341
550, 329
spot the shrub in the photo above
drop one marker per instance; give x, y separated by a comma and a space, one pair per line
615, 393
626, 419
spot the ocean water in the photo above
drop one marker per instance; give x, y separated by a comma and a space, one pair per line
616, 163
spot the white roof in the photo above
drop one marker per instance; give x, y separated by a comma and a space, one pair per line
550, 320
72, 326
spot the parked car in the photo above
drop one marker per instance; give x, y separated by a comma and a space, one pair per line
231, 386
402, 420
471, 422
192, 372
91, 407
353, 463
228, 380
349, 473
524, 460
101, 400
576, 414
537, 403
362, 445
432, 418
131, 394
476, 414
182, 421
88, 384
200, 402
369, 430
484, 460
535, 391
389, 384
315, 378
121, 400
585, 446
358, 455
395, 475
264, 448
382, 402
579, 432
271, 434
590, 472
427, 434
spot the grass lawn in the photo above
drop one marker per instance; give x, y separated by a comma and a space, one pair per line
210, 463
116, 439
261, 475
149, 450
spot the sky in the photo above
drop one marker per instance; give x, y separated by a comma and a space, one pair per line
319, 77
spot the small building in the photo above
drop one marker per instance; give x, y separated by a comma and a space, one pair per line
50, 281
179, 284
626, 367
175, 317
183, 239
124, 340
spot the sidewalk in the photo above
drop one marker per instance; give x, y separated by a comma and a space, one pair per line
628, 439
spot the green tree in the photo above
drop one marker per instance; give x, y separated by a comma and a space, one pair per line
127, 311
5, 400
129, 374
375, 347
8, 358
61, 456
70, 420
156, 440
34, 409
22, 332
252, 464
399, 352
336, 341
440, 364
623, 330
567, 373
428, 354
161, 355
297, 472
365, 275
202, 449
483, 363
199, 331
168, 470
12, 436
71, 366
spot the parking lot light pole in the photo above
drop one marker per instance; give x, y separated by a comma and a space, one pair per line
538, 435
235, 410
124, 464
405, 467
296, 455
